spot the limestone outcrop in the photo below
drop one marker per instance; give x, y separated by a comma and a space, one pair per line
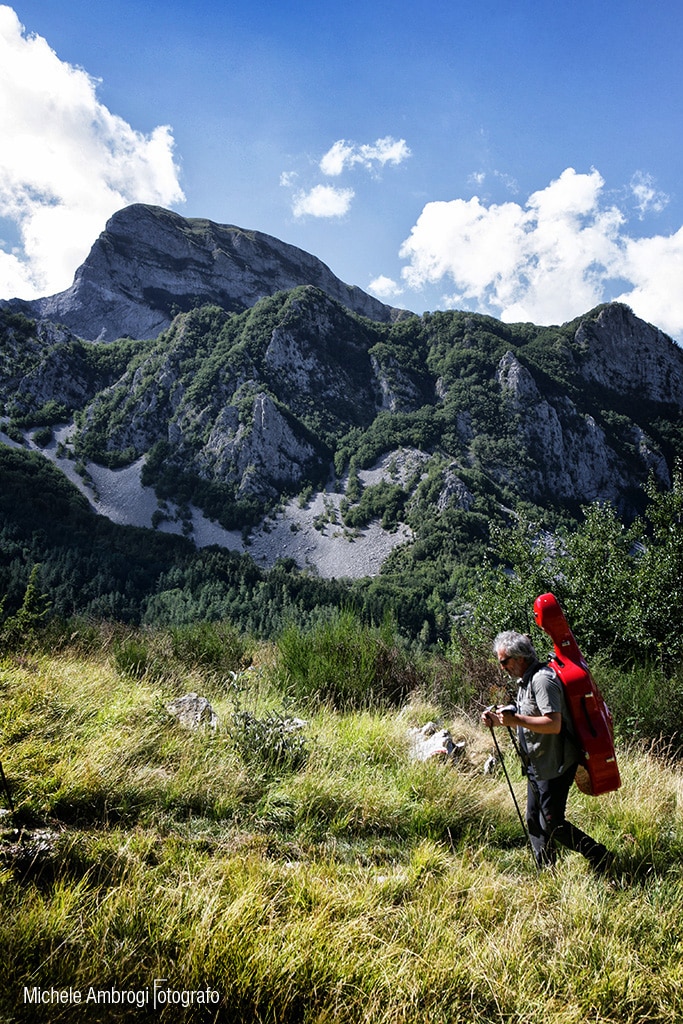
150, 263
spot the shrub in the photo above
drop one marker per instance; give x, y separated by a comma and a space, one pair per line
345, 663
273, 741
645, 700
213, 645
42, 436
472, 680
133, 658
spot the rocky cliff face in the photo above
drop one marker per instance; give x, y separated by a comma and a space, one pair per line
282, 384
618, 351
150, 263
569, 453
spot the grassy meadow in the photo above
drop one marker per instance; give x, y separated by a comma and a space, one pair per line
315, 873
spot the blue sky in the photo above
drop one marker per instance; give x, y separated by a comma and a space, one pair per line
518, 158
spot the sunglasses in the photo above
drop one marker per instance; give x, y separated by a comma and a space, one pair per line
504, 661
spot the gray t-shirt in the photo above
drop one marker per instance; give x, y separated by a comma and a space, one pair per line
541, 693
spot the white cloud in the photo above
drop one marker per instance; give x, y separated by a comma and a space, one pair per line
385, 287
655, 268
330, 201
550, 260
323, 201
345, 154
647, 196
477, 178
66, 163
336, 159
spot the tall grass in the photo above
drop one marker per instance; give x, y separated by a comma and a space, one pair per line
354, 885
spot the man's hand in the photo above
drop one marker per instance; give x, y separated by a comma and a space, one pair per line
496, 717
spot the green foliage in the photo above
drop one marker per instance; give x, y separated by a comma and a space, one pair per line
94, 568
14, 433
341, 661
218, 646
382, 501
218, 499
421, 429
23, 628
442, 371
89, 566
620, 585
656, 620
35, 357
42, 436
50, 413
133, 658
354, 487
646, 702
219, 650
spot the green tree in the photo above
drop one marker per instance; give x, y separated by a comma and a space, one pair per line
599, 570
655, 622
621, 586
23, 627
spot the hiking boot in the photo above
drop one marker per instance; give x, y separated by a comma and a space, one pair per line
601, 859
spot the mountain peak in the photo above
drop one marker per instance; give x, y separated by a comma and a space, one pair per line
622, 352
150, 263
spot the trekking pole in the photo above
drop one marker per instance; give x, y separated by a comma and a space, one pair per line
512, 792
524, 760
523, 757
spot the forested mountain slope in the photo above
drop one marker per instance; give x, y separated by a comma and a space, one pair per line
425, 429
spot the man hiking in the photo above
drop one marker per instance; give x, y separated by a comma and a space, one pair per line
548, 748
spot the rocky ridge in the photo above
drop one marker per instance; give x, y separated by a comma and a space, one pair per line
572, 455
150, 263
618, 351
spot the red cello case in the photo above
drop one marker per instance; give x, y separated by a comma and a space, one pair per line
590, 715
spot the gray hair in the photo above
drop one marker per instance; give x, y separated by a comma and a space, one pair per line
515, 645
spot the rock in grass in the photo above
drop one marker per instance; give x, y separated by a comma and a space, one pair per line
430, 741
193, 711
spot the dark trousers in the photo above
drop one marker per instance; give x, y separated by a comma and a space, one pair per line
547, 824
